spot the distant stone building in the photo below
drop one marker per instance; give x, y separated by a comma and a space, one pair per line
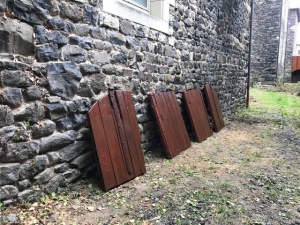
269, 40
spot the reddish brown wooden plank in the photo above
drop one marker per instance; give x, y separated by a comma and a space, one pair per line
176, 123
206, 123
167, 124
122, 137
182, 129
172, 125
193, 114
295, 63
197, 114
108, 176
164, 135
110, 129
135, 130
218, 107
199, 126
212, 108
128, 132
172, 128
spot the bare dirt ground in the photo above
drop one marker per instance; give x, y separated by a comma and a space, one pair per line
246, 174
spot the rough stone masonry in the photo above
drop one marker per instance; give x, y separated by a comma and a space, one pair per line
58, 57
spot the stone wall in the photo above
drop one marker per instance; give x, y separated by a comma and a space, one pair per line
59, 57
266, 38
292, 21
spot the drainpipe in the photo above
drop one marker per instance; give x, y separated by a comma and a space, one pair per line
250, 53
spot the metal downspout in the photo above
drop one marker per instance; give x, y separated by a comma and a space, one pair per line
250, 54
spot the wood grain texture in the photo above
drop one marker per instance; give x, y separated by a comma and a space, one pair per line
117, 139
171, 125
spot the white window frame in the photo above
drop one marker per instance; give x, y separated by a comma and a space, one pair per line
138, 15
140, 6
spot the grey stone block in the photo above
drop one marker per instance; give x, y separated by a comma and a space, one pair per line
33, 93
54, 142
72, 151
116, 38
27, 169
44, 128
83, 42
16, 78
29, 195
12, 96
17, 37
57, 110
63, 79
9, 173
88, 68
57, 37
133, 43
98, 33
71, 175
126, 27
52, 184
31, 112
72, 122
23, 184
83, 161
8, 191
6, 134
53, 158
103, 45
71, 11
44, 176
20, 151
99, 58
90, 15
47, 52
41, 162
82, 29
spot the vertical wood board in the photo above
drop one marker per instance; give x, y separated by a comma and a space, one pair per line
171, 125
214, 107
117, 139
197, 113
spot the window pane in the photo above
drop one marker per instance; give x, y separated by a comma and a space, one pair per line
140, 2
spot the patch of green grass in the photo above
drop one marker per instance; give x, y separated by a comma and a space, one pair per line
275, 102
269, 104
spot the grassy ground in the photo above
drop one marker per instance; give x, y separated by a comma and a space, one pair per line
248, 173
280, 105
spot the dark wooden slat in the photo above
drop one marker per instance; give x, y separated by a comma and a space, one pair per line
171, 123
135, 130
128, 132
183, 132
164, 119
117, 139
122, 136
197, 114
172, 128
108, 176
164, 135
218, 125
196, 106
110, 128
193, 114
178, 139
207, 127
218, 107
